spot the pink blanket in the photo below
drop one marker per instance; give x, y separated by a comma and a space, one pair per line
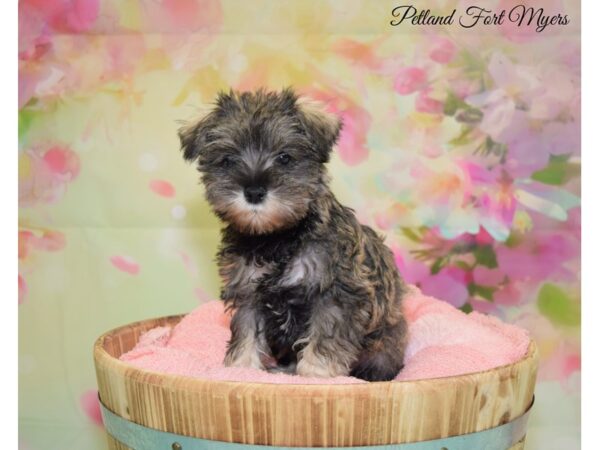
443, 341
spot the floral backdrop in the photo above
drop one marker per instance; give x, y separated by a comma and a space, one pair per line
460, 145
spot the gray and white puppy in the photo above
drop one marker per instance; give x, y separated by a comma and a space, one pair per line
313, 291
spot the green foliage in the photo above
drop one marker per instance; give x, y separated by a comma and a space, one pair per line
439, 264
555, 304
463, 138
469, 115
486, 256
26, 117
453, 103
513, 240
463, 265
486, 292
473, 64
490, 147
466, 308
411, 234
558, 171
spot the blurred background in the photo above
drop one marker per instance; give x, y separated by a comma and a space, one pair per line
460, 145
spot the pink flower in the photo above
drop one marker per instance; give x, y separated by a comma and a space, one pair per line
356, 121
125, 264
507, 293
63, 16
409, 80
388, 218
498, 210
443, 51
91, 406
49, 241
352, 146
22, 289
563, 362
34, 38
530, 146
541, 256
521, 32
488, 277
123, 55
44, 175
483, 237
183, 15
448, 284
485, 307
499, 105
26, 89
498, 110
426, 104
510, 294
62, 162
412, 270
162, 188
358, 52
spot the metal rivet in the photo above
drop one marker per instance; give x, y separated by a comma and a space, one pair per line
176, 446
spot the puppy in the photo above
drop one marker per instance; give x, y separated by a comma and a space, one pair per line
313, 291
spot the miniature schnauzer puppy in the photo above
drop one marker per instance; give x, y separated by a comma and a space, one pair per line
313, 291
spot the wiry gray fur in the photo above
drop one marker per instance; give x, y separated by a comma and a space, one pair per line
312, 290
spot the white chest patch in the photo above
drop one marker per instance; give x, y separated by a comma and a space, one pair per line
305, 268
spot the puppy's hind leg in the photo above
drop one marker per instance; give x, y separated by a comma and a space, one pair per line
247, 347
379, 366
384, 357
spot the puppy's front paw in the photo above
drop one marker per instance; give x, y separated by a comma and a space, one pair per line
313, 365
246, 357
306, 369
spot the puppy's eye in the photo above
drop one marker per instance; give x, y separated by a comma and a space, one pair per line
226, 162
283, 158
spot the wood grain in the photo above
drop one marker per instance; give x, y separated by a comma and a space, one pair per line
308, 415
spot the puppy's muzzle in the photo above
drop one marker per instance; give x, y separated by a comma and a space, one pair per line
255, 194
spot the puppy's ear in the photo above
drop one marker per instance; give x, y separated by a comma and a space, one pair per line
195, 136
322, 127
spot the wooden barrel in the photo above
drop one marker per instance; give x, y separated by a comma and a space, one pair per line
284, 415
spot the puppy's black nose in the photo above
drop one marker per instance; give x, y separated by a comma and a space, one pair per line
255, 194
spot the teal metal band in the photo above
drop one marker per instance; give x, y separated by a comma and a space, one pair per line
139, 437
